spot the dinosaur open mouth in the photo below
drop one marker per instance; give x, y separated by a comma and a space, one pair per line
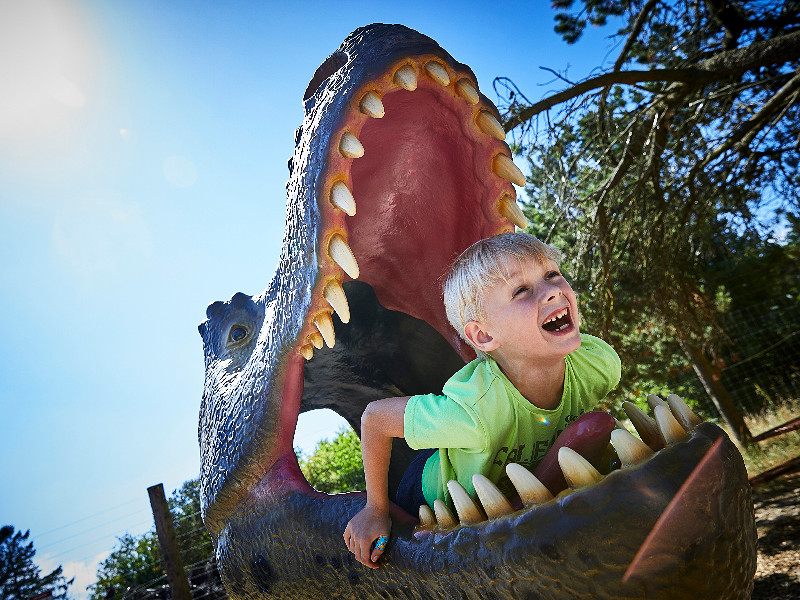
400, 165
418, 170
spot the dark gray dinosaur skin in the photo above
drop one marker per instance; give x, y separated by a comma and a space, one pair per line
276, 537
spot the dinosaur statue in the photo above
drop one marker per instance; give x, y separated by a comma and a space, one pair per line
401, 163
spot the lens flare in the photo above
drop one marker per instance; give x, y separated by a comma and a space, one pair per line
43, 57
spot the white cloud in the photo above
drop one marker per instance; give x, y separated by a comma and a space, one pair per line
84, 572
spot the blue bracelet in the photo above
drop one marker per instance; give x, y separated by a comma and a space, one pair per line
380, 543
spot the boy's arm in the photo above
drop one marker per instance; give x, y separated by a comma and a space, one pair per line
382, 420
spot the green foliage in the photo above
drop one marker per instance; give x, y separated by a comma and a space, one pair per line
663, 208
194, 542
336, 466
595, 12
20, 578
136, 561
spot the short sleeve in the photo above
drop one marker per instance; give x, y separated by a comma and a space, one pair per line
433, 421
597, 367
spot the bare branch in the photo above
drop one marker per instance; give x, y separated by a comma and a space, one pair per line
774, 104
627, 77
725, 64
641, 19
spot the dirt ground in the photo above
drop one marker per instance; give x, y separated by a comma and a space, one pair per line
777, 507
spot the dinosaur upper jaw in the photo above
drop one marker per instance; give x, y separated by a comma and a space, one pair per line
399, 166
383, 195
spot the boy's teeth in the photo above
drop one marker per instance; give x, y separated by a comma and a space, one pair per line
558, 315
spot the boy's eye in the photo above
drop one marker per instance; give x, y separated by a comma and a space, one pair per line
518, 291
552, 274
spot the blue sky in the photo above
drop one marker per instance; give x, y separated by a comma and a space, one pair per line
143, 150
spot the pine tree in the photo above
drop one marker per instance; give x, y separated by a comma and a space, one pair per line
20, 578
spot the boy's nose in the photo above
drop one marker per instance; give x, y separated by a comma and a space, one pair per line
554, 294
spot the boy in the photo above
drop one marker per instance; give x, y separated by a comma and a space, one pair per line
534, 375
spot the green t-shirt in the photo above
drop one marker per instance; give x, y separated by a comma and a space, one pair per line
481, 422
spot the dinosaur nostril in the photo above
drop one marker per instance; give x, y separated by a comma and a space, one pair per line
332, 64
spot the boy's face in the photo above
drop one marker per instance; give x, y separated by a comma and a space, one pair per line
531, 315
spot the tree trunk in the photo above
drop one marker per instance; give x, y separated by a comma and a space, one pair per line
717, 392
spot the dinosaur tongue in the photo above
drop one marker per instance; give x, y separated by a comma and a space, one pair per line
589, 436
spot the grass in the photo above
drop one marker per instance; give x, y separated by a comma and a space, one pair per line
773, 451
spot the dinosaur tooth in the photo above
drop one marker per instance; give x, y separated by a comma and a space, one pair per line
630, 449
468, 511
495, 504
509, 208
531, 491
670, 429
645, 426
437, 72
682, 412
316, 339
578, 471
444, 517
504, 167
654, 400
406, 78
466, 90
350, 146
307, 351
372, 106
342, 198
490, 126
324, 323
342, 255
334, 294
426, 516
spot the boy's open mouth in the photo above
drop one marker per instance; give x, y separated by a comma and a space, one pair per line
558, 322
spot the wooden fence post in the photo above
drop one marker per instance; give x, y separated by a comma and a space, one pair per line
178, 585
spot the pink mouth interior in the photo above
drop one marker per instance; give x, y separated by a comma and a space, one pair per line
425, 191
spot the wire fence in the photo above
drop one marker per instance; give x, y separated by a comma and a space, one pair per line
759, 363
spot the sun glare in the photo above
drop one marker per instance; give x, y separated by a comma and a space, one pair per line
43, 60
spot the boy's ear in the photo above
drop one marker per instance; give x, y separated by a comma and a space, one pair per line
479, 337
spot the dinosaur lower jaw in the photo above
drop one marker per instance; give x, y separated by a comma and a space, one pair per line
687, 501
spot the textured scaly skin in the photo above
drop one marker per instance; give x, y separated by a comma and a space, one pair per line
277, 537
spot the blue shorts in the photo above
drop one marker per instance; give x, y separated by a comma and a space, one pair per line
409, 491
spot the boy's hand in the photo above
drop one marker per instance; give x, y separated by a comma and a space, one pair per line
364, 529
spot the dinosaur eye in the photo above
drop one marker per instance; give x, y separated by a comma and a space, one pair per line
237, 334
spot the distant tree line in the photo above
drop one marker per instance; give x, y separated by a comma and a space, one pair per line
136, 560
135, 564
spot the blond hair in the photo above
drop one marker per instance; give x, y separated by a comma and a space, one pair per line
484, 264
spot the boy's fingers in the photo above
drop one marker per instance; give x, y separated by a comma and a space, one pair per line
364, 558
380, 546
